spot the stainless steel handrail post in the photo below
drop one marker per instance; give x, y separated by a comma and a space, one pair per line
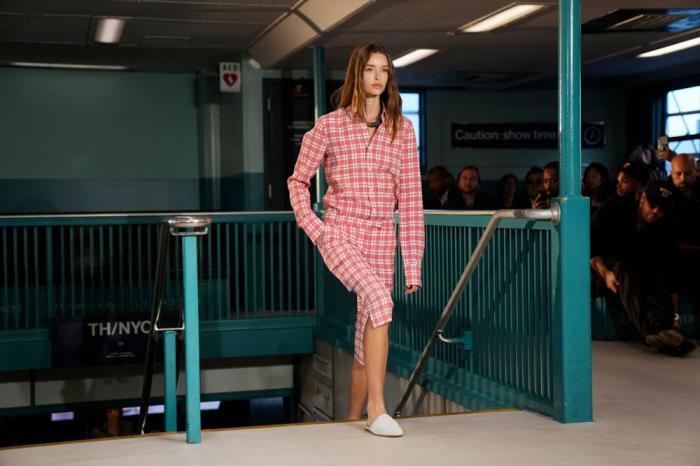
189, 227
529, 214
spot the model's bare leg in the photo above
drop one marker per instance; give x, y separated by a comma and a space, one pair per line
376, 347
358, 390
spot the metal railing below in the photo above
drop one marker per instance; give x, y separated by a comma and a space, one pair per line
551, 215
163, 248
252, 265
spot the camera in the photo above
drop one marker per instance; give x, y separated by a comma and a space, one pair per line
662, 143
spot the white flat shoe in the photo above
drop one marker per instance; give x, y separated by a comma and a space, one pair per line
385, 426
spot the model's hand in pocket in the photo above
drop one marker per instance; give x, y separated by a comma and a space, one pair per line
410, 289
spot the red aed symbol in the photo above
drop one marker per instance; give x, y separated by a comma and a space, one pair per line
230, 79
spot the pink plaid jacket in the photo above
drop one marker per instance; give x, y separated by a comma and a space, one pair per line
365, 180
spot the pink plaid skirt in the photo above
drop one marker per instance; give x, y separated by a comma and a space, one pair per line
362, 256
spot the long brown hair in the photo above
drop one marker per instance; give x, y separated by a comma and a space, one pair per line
352, 93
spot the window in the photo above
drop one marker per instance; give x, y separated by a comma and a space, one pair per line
683, 120
412, 107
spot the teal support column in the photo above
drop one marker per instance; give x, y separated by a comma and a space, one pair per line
572, 318
319, 110
170, 381
192, 397
570, 98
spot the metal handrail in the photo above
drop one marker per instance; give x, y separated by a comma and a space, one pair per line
144, 214
551, 215
164, 247
187, 227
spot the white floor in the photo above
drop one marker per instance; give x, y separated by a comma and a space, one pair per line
646, 410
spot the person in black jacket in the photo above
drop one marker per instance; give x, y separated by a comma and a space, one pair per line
550, 181
534, 186
469, 197
631, 178
687, 215
441, 185
508, 196
630, 244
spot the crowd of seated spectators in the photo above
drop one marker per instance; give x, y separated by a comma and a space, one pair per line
645, 231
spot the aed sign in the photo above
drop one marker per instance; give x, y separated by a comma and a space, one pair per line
230, 77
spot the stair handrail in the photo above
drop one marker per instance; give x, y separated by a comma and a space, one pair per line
551, 215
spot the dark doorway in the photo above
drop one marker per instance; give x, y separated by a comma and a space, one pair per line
289, 105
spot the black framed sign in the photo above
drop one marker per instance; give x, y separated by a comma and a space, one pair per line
99, 340
521, 135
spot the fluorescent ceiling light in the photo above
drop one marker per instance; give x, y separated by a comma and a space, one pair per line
413, 56
68, 66
109, 30
671, 48
500, 18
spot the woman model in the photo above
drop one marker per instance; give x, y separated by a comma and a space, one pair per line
371, 163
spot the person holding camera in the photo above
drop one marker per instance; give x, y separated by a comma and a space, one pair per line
550, 187
534, 185
662, 154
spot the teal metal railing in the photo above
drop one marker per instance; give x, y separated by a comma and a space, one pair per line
466, 341
507, 308
260, 265
251, 266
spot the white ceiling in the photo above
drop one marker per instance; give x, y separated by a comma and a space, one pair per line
185, 35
